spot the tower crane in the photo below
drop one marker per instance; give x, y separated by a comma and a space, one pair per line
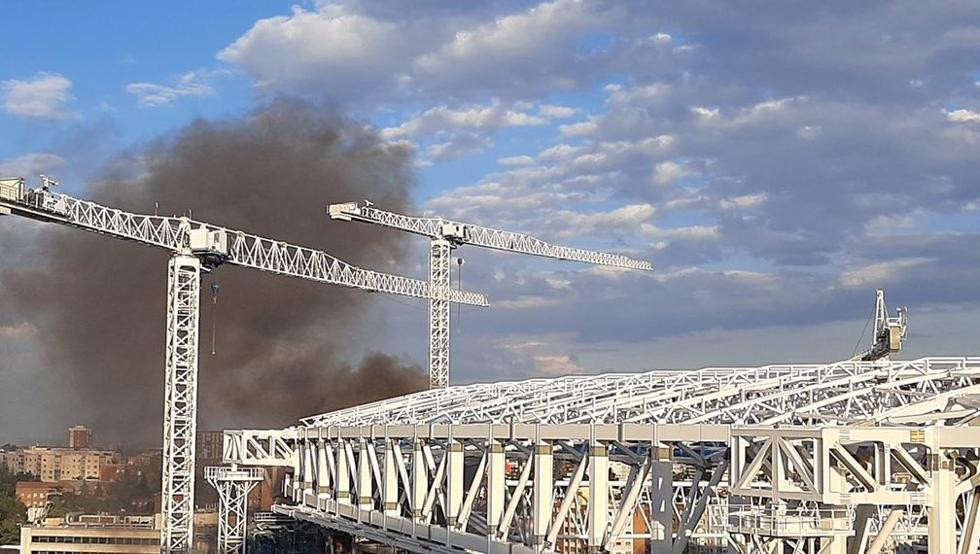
446, 235
889, 332
197, 247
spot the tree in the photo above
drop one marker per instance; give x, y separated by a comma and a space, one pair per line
12, 513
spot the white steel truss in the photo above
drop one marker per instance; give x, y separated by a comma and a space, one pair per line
446, 235
242, 249
466, 233
439, 348
233, 485
844, 457
180, 403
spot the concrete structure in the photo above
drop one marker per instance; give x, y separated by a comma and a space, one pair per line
93, 534
79, 437
852, 456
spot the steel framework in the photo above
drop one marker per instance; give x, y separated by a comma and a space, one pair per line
198, 247
233, 485
180, 402
445, 235
845, 457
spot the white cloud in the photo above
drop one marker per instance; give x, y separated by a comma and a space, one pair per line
666, 173
963, 116
879, 274
809, 132
529, 49
705, 113
554, 366
744, 202
578, 129
152, 95
29, 165
443, 119
516, 161
332, 50
627, 218
527, 303
556, 112
21, 330
44, 96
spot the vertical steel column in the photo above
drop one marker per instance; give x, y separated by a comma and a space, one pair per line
496, 487
365, 488
323, 482
389, 492
598, 496
662, 499
342, 482
543, 504
942, 506
180, 404
439, 286
454, 482
233, 486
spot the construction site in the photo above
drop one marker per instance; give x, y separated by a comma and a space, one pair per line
866, 455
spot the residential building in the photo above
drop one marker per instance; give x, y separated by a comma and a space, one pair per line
79, 437
58, 464
209, 445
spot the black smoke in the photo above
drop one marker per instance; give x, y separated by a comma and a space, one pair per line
282, 343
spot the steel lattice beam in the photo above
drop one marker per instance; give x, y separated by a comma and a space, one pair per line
180, 403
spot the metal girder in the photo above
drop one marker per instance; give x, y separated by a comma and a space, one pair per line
237, 248
477, 235
233, 485
180, 404
439, 267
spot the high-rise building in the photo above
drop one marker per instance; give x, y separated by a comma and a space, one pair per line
79, 437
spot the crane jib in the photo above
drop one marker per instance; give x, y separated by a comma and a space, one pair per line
214, 245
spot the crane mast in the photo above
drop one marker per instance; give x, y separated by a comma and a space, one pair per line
197, 247
445, 235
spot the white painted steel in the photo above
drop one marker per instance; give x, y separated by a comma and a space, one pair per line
180, 404
233, 485
466, 233
807, 458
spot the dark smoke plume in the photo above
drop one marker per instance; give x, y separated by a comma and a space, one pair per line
99, 303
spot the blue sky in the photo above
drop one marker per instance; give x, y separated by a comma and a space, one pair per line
776, 163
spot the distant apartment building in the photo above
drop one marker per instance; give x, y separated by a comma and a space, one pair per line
79, 437
115, 534
209, 445
13, 460
61, 464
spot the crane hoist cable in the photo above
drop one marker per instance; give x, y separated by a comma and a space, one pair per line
459, 286
215, 289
